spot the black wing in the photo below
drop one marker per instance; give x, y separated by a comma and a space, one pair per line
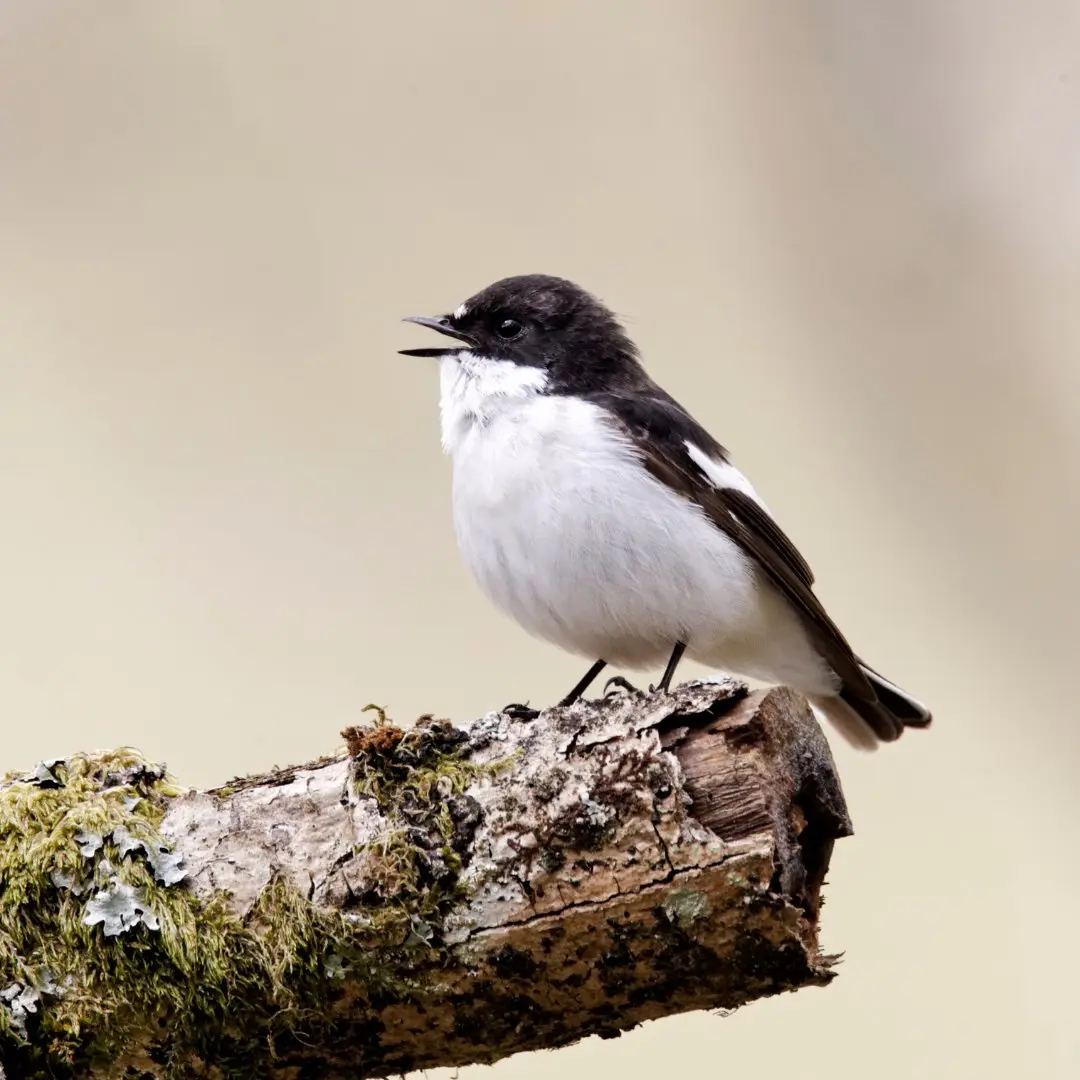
660, 429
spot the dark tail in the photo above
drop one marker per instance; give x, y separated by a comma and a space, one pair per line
866, 724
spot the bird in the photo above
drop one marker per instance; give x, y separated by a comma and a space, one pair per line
596, 512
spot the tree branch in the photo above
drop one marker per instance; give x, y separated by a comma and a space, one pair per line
436, 897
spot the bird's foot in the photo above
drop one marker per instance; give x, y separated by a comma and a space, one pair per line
583, 684
518, 711
617, 682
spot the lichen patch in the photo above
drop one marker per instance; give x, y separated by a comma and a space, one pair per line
434, 895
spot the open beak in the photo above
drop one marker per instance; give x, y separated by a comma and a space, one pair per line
443, 325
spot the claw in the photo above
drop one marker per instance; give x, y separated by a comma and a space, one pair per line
517, 711
620, 683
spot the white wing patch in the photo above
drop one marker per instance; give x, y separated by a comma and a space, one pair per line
721, 474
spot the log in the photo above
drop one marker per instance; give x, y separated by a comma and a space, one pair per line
430, 896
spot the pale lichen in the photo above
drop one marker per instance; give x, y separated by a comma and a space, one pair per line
399, 907
683, 907
102, 942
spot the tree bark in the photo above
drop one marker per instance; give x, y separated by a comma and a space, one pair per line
595, 866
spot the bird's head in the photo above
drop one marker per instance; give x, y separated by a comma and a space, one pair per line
544, 323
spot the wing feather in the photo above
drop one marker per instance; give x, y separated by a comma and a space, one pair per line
659, 429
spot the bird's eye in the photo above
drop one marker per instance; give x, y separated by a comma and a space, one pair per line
509, 328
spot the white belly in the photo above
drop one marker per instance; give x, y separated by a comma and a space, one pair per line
565, 531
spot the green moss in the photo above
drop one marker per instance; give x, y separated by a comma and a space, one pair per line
421, 765
418, 778
184, 979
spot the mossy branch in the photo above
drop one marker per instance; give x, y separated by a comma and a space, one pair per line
426, 897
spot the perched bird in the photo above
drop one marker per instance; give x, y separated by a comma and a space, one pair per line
594, 510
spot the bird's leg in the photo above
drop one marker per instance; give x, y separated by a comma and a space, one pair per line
669, 671
583, 685
621, 683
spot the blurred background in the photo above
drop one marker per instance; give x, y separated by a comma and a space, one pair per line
846, 234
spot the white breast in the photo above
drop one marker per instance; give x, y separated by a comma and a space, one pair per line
566, 532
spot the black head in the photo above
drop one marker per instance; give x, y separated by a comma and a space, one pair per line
542, 322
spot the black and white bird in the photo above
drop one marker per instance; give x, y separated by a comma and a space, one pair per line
594, 510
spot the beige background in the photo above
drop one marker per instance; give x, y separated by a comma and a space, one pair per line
846, 234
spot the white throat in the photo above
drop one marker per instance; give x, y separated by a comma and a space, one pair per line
474, 390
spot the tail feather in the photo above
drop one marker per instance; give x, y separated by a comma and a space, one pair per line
910, 711
867, 723
847, 722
